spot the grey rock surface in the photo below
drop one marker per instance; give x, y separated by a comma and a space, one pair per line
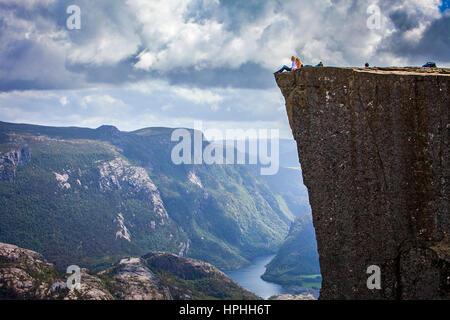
373, 146
10, 160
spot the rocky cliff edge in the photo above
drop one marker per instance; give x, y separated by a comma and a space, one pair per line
373, 146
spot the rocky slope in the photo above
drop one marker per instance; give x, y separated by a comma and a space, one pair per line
92, 196
10, 160
373, 146
293, 297
25, 274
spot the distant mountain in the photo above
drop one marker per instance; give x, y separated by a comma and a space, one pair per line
92, 196
288, 186
25, 274
297, 261
289, 153
287, 148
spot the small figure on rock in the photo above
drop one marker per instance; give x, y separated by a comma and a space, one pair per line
367, 65
293, 67
429, 65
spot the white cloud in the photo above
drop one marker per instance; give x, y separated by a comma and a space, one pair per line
164, 35
169, 35
319, 30
109, 47
30, 3
173, 41
103, 104
64, 101
198, 96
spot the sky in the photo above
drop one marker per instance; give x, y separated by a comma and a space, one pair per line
143, 63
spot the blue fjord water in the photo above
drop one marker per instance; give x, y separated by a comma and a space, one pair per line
250, 278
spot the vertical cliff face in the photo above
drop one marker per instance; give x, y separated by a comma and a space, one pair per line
373, 145
11, 160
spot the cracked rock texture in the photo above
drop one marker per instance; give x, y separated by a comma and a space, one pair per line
25, 274
373, 146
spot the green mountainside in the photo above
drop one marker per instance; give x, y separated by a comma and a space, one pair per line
288, 186
297, 261
92, 196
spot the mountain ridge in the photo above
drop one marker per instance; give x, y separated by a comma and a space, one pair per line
225, 215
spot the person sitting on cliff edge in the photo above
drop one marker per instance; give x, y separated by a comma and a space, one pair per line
292, 68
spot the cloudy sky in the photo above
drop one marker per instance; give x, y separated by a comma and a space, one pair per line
141, 63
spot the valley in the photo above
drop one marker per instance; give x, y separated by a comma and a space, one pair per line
250, 278
91, 197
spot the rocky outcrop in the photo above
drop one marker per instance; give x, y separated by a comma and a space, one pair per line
25, 274
119, 173
92, 287
62, 180
9, 161
133, 280
184, 268
189, 279
373, 146
293, 297
123, 230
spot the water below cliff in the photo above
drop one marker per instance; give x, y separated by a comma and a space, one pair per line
250, 278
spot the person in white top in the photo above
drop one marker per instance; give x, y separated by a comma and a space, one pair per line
293, 67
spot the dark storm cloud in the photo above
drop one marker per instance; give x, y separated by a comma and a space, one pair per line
404, 21
249, 76
434, 45
26, 63
235, 12
436, 39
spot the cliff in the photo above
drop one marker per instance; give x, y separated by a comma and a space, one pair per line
9, 161
373, 146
